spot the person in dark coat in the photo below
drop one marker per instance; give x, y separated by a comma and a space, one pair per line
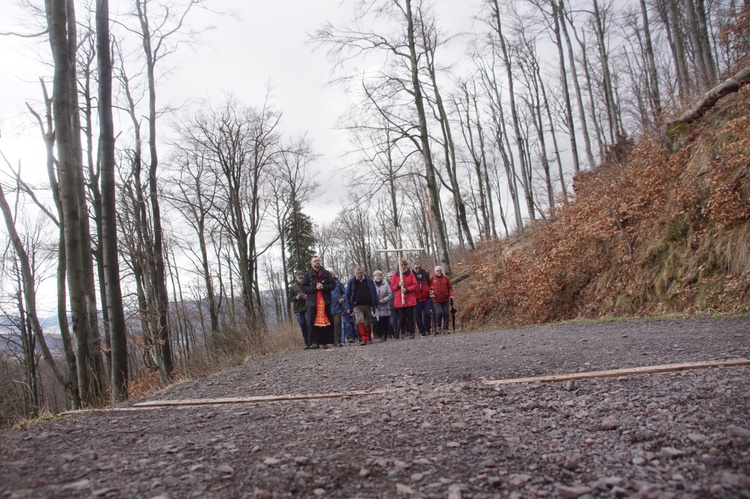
361, 299
298, 299
317, 284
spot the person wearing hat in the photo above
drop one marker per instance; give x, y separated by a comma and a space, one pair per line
298, 299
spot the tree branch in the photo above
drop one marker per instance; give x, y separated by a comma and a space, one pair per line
711, 97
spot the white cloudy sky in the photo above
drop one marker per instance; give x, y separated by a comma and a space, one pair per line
266, 41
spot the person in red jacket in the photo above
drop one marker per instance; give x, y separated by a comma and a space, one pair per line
442, 292
404, 298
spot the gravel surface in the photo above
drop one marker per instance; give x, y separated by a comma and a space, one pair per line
436, 430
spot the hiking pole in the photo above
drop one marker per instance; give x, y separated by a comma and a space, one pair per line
453, 314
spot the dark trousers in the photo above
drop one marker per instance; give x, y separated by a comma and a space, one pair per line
442, 312
423, 316
302, 321
393, 326
381, 326
337, 328
406, 321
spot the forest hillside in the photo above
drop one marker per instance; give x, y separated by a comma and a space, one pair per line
662, 227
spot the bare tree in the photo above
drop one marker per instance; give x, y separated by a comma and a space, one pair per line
492, 86
47, 132
28, 308
63, 42
241, 144
471, 130
108, 242
496, 25
403, 47
193, 195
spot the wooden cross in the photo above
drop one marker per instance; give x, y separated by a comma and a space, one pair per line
399, 255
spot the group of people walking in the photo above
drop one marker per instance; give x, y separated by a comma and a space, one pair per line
382, 306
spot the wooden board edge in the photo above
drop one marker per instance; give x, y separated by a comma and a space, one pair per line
614, 373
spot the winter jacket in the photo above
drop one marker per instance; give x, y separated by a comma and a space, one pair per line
385, 296
442, 288
309, 286
349, 296
298, 304
423, 285
338, 292
410, 283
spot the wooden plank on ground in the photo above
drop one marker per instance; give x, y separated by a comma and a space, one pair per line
254, 400
614, 373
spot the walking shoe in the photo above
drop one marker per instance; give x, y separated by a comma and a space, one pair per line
307, 347
314, 346
325, 346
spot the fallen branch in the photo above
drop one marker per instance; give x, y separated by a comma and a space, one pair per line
253, 400
711, 97
460, 277
615, 373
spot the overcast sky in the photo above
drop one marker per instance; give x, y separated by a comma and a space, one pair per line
265, 41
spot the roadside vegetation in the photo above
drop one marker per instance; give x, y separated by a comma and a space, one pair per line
659, 228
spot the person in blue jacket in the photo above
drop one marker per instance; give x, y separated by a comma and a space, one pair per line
360, 300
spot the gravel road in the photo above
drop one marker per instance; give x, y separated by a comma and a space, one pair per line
433, 426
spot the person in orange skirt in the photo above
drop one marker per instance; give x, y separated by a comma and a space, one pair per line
317, 284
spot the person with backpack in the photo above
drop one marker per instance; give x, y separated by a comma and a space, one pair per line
298, 299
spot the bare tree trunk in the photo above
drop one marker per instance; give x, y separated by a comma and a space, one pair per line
609, 92
698, 31
438, 223
501, 139
61, 22
159, 275
29, 292
498, 28
476, 156
108, 243
557, 22
653, 75
577, 86
670, 18
711, 97
47, 130
449, 146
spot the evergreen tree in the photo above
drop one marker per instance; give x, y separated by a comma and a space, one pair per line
300, 241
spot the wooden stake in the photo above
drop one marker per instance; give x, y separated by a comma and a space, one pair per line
253, 400
614, 373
